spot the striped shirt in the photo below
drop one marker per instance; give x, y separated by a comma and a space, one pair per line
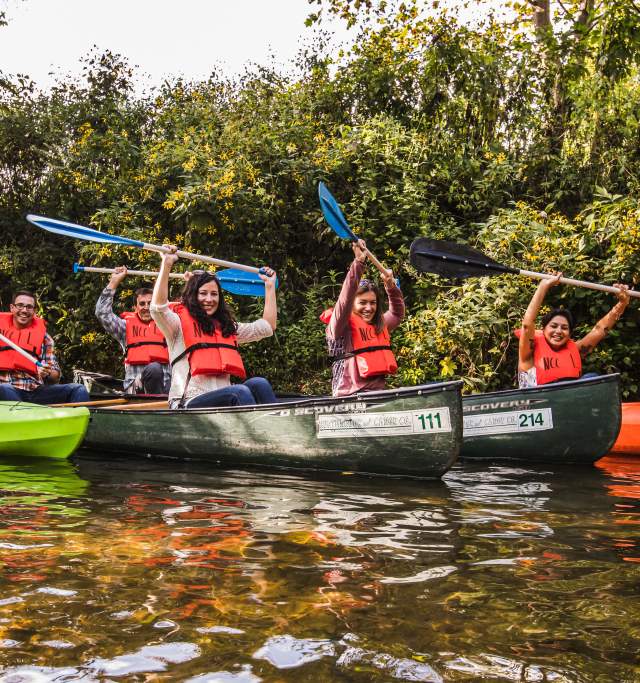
23, 380
117, 328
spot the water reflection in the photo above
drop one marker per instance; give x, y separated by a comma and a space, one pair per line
139, 568
624, 484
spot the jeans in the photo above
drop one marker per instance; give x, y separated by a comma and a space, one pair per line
254, 390
46, 394
153, 380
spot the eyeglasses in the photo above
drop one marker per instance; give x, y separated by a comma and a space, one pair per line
24, 307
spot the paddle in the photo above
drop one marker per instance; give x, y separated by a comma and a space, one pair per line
451, 259
83, 233
22, 352
232, 280
335, 218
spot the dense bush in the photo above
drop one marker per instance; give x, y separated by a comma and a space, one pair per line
497, 135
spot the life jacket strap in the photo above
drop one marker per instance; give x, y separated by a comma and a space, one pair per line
146, 343
203, 345
32, 351
367, 349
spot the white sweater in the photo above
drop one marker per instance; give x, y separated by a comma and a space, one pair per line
169, 324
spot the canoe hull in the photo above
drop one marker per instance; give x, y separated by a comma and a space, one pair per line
414, 432
27, 429
565, 422
628, 441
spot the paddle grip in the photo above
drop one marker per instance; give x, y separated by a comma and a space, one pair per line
577, 283
203, 259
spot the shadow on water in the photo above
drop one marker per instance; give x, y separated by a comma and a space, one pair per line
184, 572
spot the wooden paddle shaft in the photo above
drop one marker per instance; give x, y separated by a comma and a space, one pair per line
145, 273
17, 349
100, 402
204, 259
376, 263
577, 283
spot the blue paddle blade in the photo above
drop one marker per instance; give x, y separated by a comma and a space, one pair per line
77, 268
80, 231
242, 283
333, 215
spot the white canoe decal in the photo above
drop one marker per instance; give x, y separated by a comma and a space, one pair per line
508, 422
408, 422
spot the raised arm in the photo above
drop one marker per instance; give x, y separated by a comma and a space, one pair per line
112, 323
528, 330
270, 313
161, 288
344, 304
395, 315
602, 327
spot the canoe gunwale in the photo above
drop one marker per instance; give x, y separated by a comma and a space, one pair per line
554, 386
381, 396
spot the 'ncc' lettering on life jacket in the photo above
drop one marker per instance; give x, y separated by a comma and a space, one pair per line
366, 334
139, 331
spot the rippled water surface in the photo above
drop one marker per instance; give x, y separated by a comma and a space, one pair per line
159, 571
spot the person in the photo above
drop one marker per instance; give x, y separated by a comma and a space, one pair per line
146, 363
549, 354
21, 379
358, 330
203, 338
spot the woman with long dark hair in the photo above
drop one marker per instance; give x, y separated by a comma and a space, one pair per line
358, 330
203, 337
549, 354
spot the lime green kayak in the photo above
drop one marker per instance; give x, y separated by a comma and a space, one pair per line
41, 431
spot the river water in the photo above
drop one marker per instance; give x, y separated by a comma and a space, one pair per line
139, 570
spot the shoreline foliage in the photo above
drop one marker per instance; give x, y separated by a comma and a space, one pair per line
518, 136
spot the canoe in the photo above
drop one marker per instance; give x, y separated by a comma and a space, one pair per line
628, 441
40, 431
415, 432
564, 422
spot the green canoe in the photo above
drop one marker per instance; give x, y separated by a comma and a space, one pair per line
414, 432
40, 431
565, 422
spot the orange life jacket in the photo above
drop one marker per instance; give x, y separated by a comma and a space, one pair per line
552, 365
208, 354
372, 350
144, 342
30, 339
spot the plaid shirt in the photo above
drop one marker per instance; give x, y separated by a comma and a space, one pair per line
117, 328
23, 380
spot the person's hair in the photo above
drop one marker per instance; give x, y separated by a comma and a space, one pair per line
141, 291
24, 292
370, 286
223, 315
548, 317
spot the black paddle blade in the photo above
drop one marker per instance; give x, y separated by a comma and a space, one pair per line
453, 260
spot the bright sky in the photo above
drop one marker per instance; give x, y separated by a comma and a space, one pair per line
162, 37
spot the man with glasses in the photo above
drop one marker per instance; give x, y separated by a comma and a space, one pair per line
146, 364
21, 379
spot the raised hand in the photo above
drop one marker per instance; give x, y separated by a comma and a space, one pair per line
118, 275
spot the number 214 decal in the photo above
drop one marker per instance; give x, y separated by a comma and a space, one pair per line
531, 420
